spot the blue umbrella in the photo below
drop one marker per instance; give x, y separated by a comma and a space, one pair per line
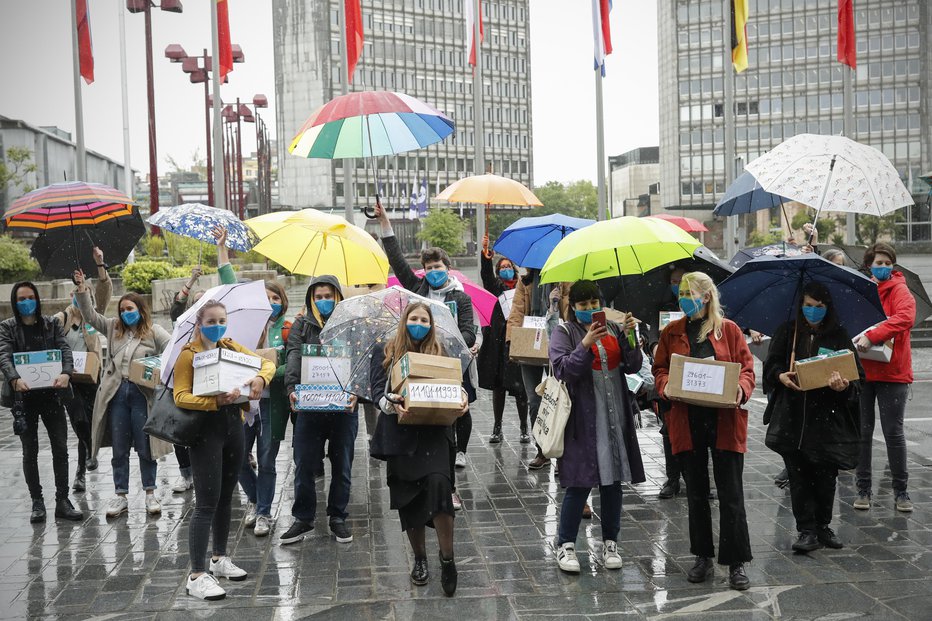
529, 241
773, 250
765, 292
199, 221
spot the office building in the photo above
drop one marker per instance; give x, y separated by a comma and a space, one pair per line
633, 182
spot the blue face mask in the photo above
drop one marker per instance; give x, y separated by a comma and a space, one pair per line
130, 318
213, 333
276, 310
585, 316
882, 272
814, 314
436, 278
417, 331
506, 273
27, 307
325, 307
691, 307
675, 289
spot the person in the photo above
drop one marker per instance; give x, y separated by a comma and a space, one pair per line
695, 431
82, 337
496, 372
268, 432
816, 431
834, 255
888, 383
437, 284
29, 330
313, 428
600, 443
121, 407
419, 457
217, 456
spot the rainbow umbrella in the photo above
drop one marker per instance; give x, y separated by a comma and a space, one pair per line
73, 203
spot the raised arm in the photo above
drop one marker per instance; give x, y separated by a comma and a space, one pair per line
396, 257
88, 311
104, 288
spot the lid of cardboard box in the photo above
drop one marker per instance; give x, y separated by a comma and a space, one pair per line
206, 358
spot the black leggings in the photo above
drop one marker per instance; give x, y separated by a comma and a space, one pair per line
463, 429
44, 405
498, 407
215, 461
80, 413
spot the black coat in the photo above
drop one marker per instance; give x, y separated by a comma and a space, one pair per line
495, 370
12, 340
823, 424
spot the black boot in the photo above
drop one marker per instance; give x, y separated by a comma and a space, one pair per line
807, 542
420, 575
66, 511
702, 570
670, 489
782, 480
91, 464
828, 538
496, 437
78, 485
737, 578
448, 576
38, 511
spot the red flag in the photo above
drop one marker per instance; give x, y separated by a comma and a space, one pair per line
85, 49
354, 36
471, 31
223, 31
847, 48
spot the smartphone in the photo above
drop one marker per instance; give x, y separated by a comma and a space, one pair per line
599, 318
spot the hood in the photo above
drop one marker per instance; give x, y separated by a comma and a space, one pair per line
13, 291
326, 279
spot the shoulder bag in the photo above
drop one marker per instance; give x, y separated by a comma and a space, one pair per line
552, 416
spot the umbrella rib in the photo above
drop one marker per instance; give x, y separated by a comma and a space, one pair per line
304, 252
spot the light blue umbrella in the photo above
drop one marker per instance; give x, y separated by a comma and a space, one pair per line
198, 222
529, 241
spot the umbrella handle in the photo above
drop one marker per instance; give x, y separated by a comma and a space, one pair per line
366, 209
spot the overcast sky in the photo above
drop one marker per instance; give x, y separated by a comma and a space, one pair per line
36, 78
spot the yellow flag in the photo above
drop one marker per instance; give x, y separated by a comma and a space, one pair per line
739, 34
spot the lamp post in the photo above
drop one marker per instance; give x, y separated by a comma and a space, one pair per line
238, 113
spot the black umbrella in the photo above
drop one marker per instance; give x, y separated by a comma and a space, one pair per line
57, 249
773, 250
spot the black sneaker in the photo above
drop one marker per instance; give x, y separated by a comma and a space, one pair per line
339, 530
38, 511
448, 576
702, 570
807, 542
737, 578
420, 575
296, 533
496, 437
66, 511
78, 485
828, 538
670, 489
525, 437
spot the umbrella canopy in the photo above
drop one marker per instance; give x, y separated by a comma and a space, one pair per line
359, 324
832, 173
529, 241
746, 195
489, 189
782, 249
369, 124
59, 251
617, 247
67, 204
313, 243
690, 225
198, 222
765, 293
482, 301
248, 312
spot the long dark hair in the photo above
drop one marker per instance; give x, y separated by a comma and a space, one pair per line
402, 342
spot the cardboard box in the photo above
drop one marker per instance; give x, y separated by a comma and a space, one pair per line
878, 353
146, 372
530, 321
324, 365
431, 401
321, 397
38, 368
274, 355
220, 371
812, 373
530, 346
760, 350
423, 366
708, 383
667, 317
86, 367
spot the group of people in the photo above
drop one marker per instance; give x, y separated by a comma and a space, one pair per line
817, 432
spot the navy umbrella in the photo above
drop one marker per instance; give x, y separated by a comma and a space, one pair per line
773, 250
746, 195
765, 293
529, 241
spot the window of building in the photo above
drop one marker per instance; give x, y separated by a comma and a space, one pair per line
686, 187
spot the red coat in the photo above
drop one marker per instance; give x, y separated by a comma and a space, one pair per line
732, 422
900, 307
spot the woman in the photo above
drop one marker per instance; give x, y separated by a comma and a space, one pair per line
121, 407
268, 432
496, 372
420, 458
600, 446
816, 431
887, 383
216, 458
694, 431
834, 255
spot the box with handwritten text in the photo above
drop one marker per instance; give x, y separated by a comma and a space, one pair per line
424, 366
38, 369
431, 402
706, 382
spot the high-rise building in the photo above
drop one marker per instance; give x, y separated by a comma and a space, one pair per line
633, 182
416, 47
794, 84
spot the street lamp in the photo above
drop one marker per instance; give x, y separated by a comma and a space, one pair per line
238, 113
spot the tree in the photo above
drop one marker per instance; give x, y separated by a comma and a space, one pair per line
579, 199
444, 229
871, 228
826, 225
14, 168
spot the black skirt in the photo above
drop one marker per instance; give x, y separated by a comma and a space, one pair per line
421, 485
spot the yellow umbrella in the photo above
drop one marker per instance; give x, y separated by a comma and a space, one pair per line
488, 190
314, 243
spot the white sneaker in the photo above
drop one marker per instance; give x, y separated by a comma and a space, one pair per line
153, 506
610, 557
206, 587
250, 519
566, 558
460, 460
117, 506
182, 484
224, 568
457, 502
262, 526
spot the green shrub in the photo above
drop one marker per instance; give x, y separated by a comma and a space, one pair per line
153, 247
187, 251
15, 262
138, 276
444, 229
759, 238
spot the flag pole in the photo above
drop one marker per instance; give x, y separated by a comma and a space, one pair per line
127, 169
81, 161
850, 224
478, 119
600, 142
219, 181
731, 225
344, 90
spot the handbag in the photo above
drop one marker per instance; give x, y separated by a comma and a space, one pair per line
552, 416
170, 423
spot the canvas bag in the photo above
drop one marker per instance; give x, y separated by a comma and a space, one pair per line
554, 412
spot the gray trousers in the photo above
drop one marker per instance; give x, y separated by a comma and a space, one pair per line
891, 401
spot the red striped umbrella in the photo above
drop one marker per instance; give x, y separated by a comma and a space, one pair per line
74, 203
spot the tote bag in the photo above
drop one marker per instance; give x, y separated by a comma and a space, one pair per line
170, 423
554, 412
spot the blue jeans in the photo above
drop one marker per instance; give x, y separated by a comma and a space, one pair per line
574, 499
311, 430
128, 412
260, 488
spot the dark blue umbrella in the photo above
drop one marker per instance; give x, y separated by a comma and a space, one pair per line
765, 292
746, 195
529, 241
773, 250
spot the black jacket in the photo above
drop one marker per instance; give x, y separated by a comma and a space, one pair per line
306, 329
494, 368
823, 424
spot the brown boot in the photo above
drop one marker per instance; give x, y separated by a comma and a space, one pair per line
538, 462
587, 512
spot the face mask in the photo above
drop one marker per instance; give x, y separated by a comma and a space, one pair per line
436, 278
26, 307
213, 333
506, 274
675, 289
417, 331
276, 310
325, 307
130, 318
585, 316
814, 314
882, 273
691, 307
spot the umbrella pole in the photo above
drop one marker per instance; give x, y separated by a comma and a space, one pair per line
789, 227
375, 173
828, 181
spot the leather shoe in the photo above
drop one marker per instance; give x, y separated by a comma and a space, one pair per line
38, 511
448, 576
587, 512
66, 511
828, 538
737, 578
420, 575
538, 462
807, 542
496, 437
79, 485
91, 464
703, 569
670, 489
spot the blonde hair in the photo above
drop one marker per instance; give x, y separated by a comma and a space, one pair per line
402, 342
698, 282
